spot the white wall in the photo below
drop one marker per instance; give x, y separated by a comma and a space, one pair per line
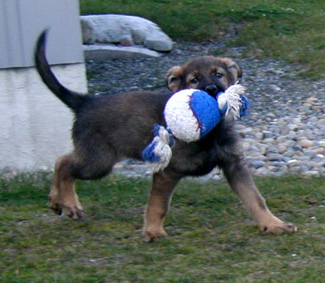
34, 124
21, 21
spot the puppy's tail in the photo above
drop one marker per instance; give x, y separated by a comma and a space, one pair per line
72, 99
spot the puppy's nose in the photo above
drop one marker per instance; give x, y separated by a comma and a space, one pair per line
211, 89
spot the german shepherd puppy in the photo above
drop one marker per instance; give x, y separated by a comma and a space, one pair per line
109, 128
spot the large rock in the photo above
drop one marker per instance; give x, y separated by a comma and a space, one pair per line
102, 52
124, 30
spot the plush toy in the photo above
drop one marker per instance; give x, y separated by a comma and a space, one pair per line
190, 115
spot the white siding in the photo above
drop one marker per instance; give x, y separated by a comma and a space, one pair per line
34, 124
21, 21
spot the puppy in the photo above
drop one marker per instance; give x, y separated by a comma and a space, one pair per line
109, 128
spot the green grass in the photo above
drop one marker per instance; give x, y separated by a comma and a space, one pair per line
283, 29
211, 238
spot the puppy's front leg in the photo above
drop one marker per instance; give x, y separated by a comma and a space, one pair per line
241, 181
159, 200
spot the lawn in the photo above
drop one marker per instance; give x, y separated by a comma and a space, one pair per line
289, 30
211, 237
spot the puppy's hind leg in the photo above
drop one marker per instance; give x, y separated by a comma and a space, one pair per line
63, 197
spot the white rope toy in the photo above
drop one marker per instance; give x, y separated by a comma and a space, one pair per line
232, 98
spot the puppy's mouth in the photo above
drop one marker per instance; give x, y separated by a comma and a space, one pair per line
213, 90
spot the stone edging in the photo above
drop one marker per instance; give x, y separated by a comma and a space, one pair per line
120, 36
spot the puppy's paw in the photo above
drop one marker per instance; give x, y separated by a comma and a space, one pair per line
74, 211
54, 204
279, 228
154, 235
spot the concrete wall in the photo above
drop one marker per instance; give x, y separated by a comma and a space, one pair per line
21, 21
34, 124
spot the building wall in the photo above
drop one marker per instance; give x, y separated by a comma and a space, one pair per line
34, 124
21, 21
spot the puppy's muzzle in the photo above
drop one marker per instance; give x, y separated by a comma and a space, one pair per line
212, 89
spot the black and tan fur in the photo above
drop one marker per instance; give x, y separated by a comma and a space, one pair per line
109, 128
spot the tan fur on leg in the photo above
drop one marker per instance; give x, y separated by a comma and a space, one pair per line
158, 205
63, 197
257, 207
241, 181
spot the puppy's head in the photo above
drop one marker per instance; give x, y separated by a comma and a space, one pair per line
208, 73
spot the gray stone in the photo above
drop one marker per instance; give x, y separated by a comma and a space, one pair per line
273, 169
275, 157
278, 164
258, 136
289, 153
293, 127
267, 134
305, 143
284, 131
319, 150
321, 143
282, 149
245, 145
257, 164
268, 141
293, 163
250, 141
262, 147
158, 42
101, 53
7, 169
272, 149
262, 171
127, 42
274, 88
121, 28
312, 173
88, 32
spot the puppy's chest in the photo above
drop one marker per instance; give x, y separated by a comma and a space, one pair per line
219, 146
201, 157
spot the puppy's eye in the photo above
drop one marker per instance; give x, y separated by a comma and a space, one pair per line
172, 80
195, 81
219, 75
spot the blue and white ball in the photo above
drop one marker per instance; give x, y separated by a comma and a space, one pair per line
191, 114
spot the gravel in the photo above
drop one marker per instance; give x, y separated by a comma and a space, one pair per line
285, 130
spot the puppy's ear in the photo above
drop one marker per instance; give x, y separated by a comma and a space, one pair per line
174, 78
233, 68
